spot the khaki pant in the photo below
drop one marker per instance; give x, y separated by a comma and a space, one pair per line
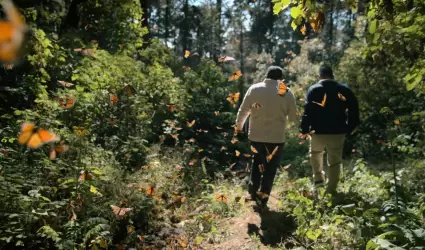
334, 145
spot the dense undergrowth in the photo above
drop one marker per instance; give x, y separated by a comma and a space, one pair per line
152, 161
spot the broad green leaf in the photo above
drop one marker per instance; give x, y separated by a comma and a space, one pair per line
97, 172
280, 5
45, 198
376, 37
371, 13
412, 85
372, 26
311, 235
295, 12
293, 25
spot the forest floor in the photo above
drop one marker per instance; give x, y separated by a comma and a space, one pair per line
253, 230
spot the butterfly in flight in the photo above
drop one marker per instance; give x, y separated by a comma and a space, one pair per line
270, 156
186, 54
341, 97
261, 167
130, 90
235, 76
113, 99
221, 197
323, 101
11, 33
66, 102
65, 84
61, 148
34, 137
120, 211
150, 191
190, 124
225, 59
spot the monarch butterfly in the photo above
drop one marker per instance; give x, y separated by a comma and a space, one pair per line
61, 148
120, 211
270, 156
341, 97
323, 101
11, 33
172, 108
221, 197
234, 140
112, 121
237, 153
65, 84
186, 54
247, 155
235, 76
150, 191
8, 66
190, 140
262, 195
35, 137
84, 176
281, 88
129, 90
66, 102
261, 167
233, 97
304, 30
187, 68
256, 105
225, 59
113, 99
287, 166
216, 113
190, 124
88, 52
254, 150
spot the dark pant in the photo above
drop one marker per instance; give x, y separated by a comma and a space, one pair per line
270, 168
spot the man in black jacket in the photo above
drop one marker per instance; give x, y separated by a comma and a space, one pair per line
331, 111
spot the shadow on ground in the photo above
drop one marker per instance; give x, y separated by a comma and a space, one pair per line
275, 227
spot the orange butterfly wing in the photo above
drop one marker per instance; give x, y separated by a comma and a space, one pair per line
6, 31
115, 209
27, 129
113, 99
46, 136
35, 141
11, 33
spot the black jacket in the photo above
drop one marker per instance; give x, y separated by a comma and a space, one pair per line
338, 114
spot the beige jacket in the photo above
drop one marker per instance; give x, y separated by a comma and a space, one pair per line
268, 119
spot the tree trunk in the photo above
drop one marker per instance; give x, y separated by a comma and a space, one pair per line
167, 22
145, 4
219, 29
185, 26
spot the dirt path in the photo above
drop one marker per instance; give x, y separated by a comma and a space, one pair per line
270, 227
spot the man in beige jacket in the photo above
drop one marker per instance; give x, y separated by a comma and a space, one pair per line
270, 104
